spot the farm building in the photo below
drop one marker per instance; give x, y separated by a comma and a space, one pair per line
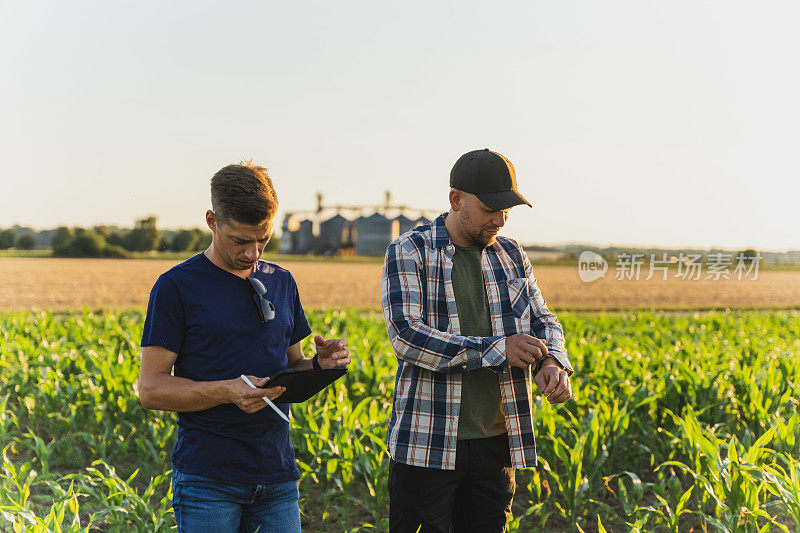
297, 236
305, 237
332, 232
404, 224
287, 235
422, 221
347, 230
374, 233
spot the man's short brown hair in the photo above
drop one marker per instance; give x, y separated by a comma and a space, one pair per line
243, 193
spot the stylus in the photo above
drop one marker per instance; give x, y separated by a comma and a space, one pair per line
265, 399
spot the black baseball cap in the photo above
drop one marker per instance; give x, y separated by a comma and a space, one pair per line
489, 176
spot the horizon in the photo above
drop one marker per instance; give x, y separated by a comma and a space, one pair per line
277, 232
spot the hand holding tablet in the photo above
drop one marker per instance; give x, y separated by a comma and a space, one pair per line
274, 408
301, 385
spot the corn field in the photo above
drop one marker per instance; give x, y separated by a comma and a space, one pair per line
679, 422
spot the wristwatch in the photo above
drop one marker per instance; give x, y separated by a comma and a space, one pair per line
315, 362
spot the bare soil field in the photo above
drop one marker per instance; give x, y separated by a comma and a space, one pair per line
55, 284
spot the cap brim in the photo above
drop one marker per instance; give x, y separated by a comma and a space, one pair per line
502, 200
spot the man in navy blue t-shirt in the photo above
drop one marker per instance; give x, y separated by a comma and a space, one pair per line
210, 319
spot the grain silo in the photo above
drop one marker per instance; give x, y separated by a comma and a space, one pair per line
373, 234
332, 232
404, 224
288, 235
304, 237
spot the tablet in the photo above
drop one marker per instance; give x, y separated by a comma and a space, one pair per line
303, 384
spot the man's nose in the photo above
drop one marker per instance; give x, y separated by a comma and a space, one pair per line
499, 219
252, 252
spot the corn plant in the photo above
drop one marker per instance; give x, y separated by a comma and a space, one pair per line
784, 482
679, 421
730, 480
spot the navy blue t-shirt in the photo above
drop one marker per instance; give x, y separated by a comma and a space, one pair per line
208, 317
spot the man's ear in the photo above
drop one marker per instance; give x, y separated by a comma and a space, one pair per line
211, 220
456, 199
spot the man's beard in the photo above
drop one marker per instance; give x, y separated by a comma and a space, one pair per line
479, 239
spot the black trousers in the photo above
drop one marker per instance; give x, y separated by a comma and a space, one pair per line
476, 496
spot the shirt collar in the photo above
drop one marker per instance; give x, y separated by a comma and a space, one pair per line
441, 239
439, 232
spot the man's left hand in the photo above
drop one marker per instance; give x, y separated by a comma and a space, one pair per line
332, 353
553, 382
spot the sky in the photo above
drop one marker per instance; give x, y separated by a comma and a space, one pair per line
628, 122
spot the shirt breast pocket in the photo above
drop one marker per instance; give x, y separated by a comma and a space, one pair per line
519, 298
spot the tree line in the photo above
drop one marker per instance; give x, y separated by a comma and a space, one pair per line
102, 241
10, 239
106, 241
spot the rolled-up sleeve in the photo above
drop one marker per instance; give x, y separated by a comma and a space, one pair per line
544, 323
403, 299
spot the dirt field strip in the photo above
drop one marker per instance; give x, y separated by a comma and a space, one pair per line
53, 284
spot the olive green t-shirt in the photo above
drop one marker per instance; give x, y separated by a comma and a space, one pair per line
481, 413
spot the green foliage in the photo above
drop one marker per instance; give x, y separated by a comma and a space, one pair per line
144, 237
84, 243
190, 240
182, 241
80, 242
678, 422
112, 236
203, 240
7, 238
273, 245
25, 242
112, 250
115, 238
61, 237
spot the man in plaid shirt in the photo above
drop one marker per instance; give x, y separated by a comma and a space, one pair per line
471, 332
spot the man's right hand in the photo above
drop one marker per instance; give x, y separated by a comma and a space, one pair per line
523, 350
250, 400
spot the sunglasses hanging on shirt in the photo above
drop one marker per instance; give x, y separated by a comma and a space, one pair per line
266, 311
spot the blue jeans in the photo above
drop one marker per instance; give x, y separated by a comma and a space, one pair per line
204, 504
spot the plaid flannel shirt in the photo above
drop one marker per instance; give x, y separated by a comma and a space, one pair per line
422, 320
